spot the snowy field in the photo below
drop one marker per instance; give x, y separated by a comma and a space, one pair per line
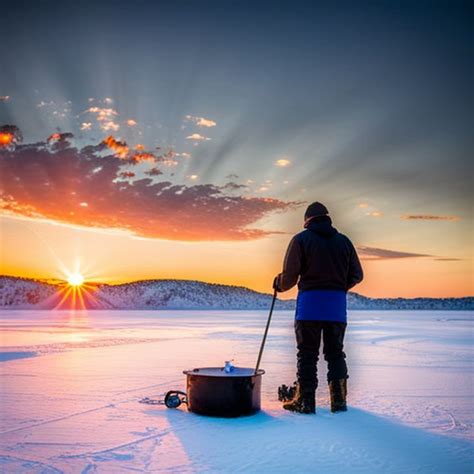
71, 382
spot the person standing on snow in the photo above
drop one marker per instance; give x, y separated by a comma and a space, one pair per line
325, 265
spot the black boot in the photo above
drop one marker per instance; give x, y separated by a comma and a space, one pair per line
302, 402
338, 393
286, 393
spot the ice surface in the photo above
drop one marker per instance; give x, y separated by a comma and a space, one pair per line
71, 405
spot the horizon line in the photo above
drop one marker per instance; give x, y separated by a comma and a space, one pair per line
59, 280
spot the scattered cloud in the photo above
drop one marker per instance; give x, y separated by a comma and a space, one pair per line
362, 205
169, 155
283, 162
169, 162
105, 116
201, 121
86, 125
60, 138
43, 103
231, 186
197, 137
429, 217
35, 174
374, 214
110, 126
154, 171
374, 253
127, 174
57, 110
102, 113
131, 123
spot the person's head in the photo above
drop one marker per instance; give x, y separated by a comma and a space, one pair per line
315, 211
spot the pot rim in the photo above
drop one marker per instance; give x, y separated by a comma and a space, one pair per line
196, 372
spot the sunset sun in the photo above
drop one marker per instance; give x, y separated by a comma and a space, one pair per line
75, 279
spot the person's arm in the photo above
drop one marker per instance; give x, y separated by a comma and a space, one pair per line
356, 274
291, 267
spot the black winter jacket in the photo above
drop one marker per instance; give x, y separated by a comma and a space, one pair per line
322, 259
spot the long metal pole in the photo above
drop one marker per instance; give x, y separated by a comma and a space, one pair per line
266, 331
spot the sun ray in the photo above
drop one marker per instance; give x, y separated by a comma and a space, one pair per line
66, 292
81, 298
89, 297
73, 302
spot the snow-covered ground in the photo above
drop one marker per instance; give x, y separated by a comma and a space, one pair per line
71, 382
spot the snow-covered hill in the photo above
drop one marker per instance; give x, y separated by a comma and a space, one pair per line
187, 294
24, 292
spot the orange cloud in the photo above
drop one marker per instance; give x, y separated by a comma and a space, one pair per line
122, 150
119, 148
6, 139
10, 135
42, 181
143, 156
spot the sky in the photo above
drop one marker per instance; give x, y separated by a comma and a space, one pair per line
184, 140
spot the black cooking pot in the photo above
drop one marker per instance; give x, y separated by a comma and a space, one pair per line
212, 391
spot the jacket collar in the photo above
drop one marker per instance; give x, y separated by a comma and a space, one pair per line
322, 226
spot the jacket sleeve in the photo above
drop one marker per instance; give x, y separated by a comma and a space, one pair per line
291, 266
356, 274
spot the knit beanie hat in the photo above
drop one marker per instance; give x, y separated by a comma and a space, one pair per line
315, 210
